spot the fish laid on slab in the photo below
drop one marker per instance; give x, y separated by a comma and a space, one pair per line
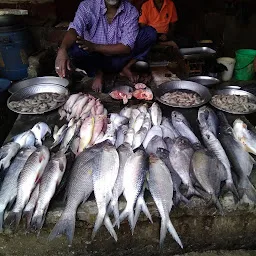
25, 139
9, 186
51, 178
181, 125
139, 138
7, 152
246, 137
110, 135
161, 188
105, 172
241, 161
120, 135
126, 112
155, 143
80, 187
59, 134
40, 130
138, 122
154, 131
129, 137
124, 152
135, 171
28, 179
214, 145
166, 122
156, 114
208, 172
180, 157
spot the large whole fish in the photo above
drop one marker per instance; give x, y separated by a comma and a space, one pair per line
156, 114
161, 188
168, 129
105, 171
8, 190
51, 178
245, 136
208, 173
80, 187
208, 119
241, 161
155, 143
139, 138
25, 139
7, 152
155, 130
180, 158
29, 177
124, 152
182, 126
134, 175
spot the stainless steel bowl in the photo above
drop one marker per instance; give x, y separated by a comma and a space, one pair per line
45, 80
36, 89
251, 97
172, 86
207, 81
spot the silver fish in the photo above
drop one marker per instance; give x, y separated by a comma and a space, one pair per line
129, 136
155, 143
7, 152
139, 138
120, 135
170, 129
156, 114
169, 143
118, 120
110, 135
180, 158
51, 178
40, 130
134, 175
29, 177
161, 188
208, 119
126, 112
68, 137
58, 135
8, 190
105, 171
25, 139
181, 124
124, 152
138, 122
215, 146
29, 208
155, 130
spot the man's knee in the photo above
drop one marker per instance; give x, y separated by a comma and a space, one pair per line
150, 33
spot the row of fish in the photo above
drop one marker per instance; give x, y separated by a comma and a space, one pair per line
30, 182
125, 93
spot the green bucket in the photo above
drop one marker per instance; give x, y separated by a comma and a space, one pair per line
244, 64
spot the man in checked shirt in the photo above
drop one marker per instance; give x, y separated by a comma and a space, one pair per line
104, 37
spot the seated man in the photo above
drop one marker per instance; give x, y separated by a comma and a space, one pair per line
161, 15
104, 37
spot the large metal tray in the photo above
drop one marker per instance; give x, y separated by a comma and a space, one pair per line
185, 86
45, 80
251, 97
36, 89
207, 81
197, 52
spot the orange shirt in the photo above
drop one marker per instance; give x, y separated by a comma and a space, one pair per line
158, 20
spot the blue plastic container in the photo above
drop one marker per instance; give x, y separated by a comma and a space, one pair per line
4, 84
14, 49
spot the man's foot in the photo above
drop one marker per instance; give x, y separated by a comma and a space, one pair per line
134, 78
98, 82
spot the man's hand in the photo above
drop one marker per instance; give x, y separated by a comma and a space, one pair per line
86, 45
163, 38
62, 63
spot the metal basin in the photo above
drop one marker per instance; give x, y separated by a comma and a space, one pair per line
207, 81
34, 90
45, 80
187, 86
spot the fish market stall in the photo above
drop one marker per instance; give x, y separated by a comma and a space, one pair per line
181, 174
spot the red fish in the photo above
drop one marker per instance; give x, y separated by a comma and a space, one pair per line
122, 93
143, 94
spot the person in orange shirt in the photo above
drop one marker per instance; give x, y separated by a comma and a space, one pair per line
161, 15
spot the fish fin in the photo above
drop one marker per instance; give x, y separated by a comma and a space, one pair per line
192, 192
178, 197
173, 232
163, 231
141, 206
13, 219
37, 222
109, 227
28, 215
113, 207
64, 226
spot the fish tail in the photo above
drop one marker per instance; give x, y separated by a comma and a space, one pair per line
1, 221
113, 207
192, 192
66, 225
127, 212
173, 232
13, 219
229, 186
247, 189
217, 203
28, 215
109, 227
180, 198
37, 221
141, 206
98, 222
163, 231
